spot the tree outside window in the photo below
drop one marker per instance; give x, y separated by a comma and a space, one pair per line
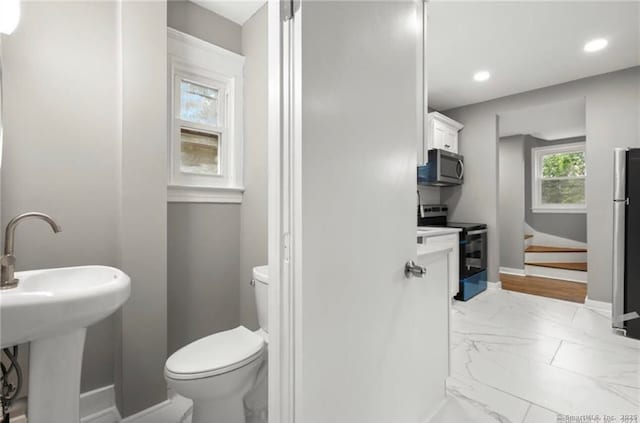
560, 178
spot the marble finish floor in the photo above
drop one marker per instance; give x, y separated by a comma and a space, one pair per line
527, 359
519, 358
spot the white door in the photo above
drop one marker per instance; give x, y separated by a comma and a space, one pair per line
369, 344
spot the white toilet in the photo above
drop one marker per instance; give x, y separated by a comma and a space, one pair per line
217, 371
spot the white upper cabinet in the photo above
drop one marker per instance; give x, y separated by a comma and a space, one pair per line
442, 132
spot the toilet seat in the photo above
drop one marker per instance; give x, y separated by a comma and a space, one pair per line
215, 354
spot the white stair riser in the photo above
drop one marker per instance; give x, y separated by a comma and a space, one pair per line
555, 257
549, 272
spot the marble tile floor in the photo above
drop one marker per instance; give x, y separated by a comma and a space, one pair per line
519, 358
527, 359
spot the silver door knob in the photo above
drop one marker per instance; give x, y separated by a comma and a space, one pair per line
413, 269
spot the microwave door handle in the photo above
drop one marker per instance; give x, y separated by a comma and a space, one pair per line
461, 173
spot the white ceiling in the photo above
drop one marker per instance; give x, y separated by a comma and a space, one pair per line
554, 121
525, 45
238, 11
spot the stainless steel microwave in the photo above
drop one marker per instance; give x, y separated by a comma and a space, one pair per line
443, 169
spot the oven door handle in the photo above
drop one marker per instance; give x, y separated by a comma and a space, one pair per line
478, 232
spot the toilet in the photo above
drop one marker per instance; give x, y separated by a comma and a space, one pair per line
217, 371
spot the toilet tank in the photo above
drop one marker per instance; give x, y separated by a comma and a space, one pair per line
260, 286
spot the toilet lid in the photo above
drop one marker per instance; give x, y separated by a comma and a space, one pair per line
215, 354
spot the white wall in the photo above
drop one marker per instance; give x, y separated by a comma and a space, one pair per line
612, 115
511, 201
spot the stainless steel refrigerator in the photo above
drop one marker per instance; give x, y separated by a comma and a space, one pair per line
626, 242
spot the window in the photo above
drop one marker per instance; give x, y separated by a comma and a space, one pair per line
205, 104
559, 179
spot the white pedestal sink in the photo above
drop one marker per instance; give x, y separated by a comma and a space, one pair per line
52, 309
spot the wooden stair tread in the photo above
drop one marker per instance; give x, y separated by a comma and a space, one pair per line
545, 249
528, 236
582, 266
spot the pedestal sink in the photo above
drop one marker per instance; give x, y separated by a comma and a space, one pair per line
52, 309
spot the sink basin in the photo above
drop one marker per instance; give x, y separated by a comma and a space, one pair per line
51, 309
55, 301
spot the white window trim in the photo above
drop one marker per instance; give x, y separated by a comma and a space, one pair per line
191, 58
536, 171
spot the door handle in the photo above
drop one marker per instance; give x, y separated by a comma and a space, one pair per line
413, 269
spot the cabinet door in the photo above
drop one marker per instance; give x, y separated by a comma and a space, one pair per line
444, 137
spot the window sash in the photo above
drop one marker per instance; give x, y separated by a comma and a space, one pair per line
537, 157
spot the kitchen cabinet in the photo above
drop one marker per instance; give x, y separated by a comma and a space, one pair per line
442, 132
445, 238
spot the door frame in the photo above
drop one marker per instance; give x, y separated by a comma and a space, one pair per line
284, 210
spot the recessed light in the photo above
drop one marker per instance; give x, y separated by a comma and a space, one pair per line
595, 45
481, 76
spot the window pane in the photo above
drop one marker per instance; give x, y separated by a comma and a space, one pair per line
199, 103
199, 152
563, 191
563, 164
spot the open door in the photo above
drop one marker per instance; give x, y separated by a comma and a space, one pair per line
352, 338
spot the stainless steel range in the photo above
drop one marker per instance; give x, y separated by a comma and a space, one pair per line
473, 248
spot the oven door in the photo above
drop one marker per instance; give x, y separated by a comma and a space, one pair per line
473, 253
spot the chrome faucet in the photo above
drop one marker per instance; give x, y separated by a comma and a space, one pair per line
8, 260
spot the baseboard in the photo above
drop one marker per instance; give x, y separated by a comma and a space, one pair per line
97, 401
512, 271
97, 406
494, 285
597, 305
143, 413
437, 410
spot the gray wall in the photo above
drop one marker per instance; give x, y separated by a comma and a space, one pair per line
143, 229
61, 146
566, 225
198, 279
84, 116
612, 114
204, 257
253, 233
213, 247
209, 26
511, 201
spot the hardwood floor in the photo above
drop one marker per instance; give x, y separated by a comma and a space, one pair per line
545, 287
544, 249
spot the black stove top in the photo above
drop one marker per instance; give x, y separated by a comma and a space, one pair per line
467, 226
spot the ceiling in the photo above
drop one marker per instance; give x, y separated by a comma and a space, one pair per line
238, 11
554, 121
525, 45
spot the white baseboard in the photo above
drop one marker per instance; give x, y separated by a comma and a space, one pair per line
99, 406
143, 413
512, 271
437, 410
494, 285
597, 305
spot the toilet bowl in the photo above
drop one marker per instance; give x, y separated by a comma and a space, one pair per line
217, 371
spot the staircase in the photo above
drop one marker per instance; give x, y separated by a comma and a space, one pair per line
566, 263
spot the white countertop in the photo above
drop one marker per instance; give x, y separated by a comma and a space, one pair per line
429, 231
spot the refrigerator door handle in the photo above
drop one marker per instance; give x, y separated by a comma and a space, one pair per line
619, 211
618, 264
